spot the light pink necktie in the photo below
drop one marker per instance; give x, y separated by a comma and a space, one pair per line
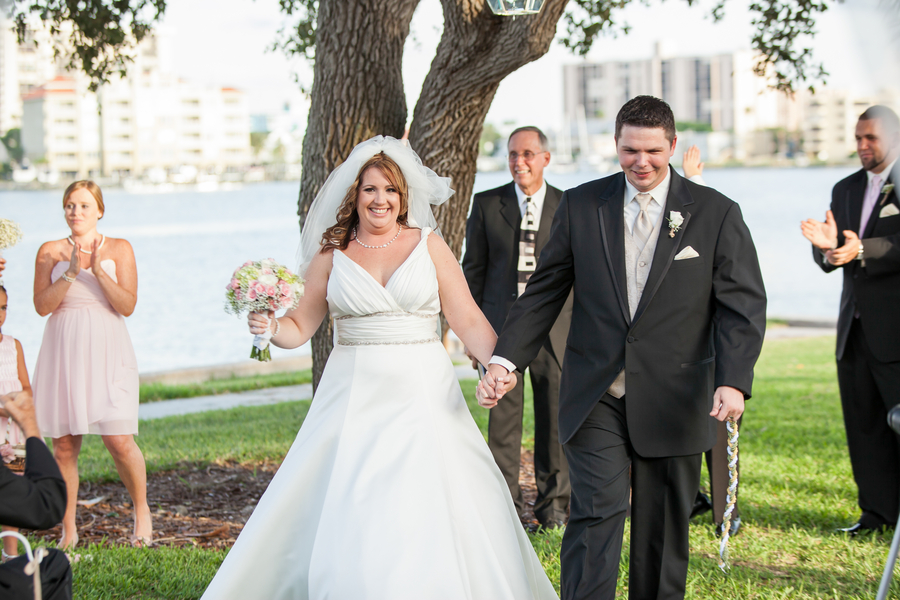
871, 198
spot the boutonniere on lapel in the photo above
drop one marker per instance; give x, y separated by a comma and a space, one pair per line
675, 220
885, 190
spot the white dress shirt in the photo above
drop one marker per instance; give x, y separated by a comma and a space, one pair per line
654, 208
884, 174
537, 198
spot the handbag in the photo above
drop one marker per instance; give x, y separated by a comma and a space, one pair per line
18, 462
43, 574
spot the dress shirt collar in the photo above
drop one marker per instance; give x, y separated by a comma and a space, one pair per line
658, 193
537, 197
884, 174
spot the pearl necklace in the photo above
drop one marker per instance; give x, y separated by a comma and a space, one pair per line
355, 234
102, 241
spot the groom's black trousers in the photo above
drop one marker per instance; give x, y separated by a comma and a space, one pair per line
662, 495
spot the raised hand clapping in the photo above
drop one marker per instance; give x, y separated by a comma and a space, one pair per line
822, 235
95, 255
74, 261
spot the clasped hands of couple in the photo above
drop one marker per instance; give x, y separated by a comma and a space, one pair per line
728, 402
824, 236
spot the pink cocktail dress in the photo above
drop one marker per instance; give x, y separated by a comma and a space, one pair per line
86, 376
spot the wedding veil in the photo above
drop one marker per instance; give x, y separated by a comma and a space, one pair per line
426, 188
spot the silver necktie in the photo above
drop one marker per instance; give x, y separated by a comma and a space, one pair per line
643, 227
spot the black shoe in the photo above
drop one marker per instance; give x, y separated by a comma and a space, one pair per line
859, 529
531, 526
701, 505
552, 523
732, 529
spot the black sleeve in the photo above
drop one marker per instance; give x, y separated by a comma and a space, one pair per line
36, 500
740, 304
475, 261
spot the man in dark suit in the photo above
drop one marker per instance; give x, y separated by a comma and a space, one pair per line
667, 324
36, 500
496, 266
861, 235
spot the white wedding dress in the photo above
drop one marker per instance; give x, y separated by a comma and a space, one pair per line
389, 490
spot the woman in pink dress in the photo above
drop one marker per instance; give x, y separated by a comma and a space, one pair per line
86, 378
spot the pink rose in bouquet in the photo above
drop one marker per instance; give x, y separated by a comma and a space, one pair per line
260, 286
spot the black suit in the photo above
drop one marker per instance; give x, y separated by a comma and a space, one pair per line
699, 325
36, 500
491, 269
868, 345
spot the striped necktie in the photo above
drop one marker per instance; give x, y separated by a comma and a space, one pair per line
527, 237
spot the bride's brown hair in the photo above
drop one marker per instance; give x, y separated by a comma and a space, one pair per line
338, 235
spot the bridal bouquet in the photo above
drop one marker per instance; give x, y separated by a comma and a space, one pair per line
10, 234
260, 286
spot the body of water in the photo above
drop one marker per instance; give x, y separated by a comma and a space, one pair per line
188, 243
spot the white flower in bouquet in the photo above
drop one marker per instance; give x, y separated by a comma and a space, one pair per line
10, 234
260, 286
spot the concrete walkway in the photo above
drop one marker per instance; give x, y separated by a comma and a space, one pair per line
185, 406
171, 408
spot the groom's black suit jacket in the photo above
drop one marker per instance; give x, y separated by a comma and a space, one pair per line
699, 324
873, 290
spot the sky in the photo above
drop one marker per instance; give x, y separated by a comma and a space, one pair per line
853, 41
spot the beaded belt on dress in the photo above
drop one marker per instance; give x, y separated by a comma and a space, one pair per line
386, 328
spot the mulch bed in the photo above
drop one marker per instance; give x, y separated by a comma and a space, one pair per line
204, 507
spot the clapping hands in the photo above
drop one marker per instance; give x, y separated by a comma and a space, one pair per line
96, 259
691, 162
847, 252
75, 262
496, 382
822, 235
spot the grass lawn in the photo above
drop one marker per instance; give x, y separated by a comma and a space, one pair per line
796, 487
152, 392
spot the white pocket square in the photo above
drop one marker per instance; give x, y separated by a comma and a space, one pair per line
686, 252
889, 211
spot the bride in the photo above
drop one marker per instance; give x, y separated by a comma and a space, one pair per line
389, 490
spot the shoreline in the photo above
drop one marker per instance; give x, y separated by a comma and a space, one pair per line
246, 368
789, 327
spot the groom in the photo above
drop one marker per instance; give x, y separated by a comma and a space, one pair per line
667, 325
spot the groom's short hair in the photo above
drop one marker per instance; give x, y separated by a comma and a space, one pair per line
646, 111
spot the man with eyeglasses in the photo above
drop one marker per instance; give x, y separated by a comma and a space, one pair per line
506, 230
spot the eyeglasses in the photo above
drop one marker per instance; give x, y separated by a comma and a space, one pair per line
528, 155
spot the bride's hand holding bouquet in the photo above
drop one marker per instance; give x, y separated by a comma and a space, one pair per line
261, 288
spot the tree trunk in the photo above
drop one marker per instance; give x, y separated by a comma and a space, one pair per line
476, 52
357, 93
359, 43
